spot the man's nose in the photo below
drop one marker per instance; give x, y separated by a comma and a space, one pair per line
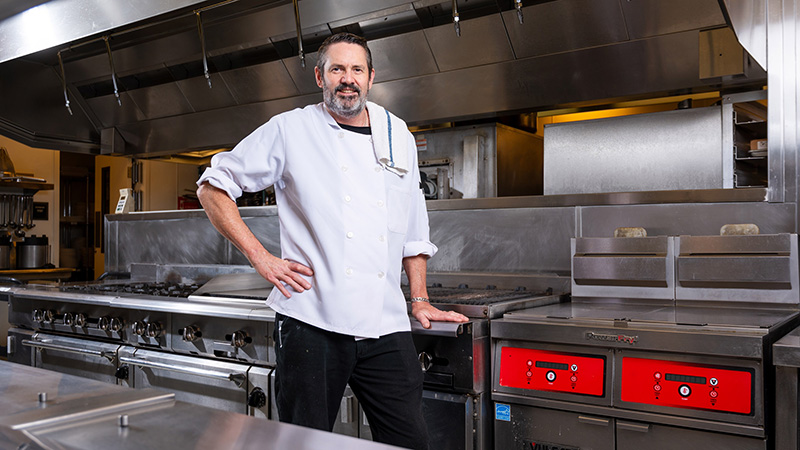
347, 77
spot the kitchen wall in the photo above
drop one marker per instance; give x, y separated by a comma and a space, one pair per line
42, 164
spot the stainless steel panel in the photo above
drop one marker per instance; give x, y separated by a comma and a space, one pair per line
554, 27
787, 427
16, 352
749, 20
646, 18
259, 381
407, 55
191, 379
482, 41
111, 113
65, 21
79, 357
216, 339
162, 100
303, 77
637, 435
502, 240
686, 219
706, 271
720, 54
201, 98
661, 151
259, 83
190, 426
651, 245
529, 426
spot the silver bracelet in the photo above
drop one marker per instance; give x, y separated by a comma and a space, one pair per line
419, 299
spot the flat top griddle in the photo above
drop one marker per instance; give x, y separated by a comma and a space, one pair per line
643, 314
485, 303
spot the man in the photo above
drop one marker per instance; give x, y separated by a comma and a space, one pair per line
351, 216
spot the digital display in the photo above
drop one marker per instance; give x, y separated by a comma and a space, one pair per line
684, 378
551, 365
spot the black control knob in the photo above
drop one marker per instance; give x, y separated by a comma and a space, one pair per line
49, 316
138, 328
104, 323
257, 398
116, 324
153, 330
37, 315
425, 361
80, 320
190, 333
239, 339
68, 318
122, 372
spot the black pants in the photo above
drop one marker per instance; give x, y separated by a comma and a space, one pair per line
314, 366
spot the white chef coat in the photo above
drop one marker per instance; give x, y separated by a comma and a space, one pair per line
341, 213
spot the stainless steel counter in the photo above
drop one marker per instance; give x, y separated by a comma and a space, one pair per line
85, 414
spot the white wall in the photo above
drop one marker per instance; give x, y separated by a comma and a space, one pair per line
42, 164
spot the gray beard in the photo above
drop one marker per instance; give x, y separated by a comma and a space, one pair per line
339, 107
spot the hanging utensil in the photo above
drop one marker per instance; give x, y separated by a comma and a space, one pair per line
19, 232
113, 73
456, 18
29, 223
64, 82
518, 7
203, 47
299, 34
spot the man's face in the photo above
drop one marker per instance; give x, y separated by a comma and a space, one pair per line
346, 80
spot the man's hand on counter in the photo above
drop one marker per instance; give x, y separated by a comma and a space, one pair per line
424, 312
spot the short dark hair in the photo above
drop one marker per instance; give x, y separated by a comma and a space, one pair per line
348, 38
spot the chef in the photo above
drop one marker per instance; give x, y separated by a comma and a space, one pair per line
352, 216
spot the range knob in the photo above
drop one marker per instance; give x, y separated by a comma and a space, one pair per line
104, 323
191, 333
425, 361
49, 316
153, 330
122, 372
239, 339
138, 328
37, 315
80, 320
257, 398
116, 324
68, 318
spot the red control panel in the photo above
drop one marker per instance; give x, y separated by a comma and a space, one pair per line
552, 371
686, 385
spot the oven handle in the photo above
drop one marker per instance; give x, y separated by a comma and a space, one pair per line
445, 329
65, 348
640, 427
594, 421
239, 378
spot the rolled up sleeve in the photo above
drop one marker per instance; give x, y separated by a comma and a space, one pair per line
253, 165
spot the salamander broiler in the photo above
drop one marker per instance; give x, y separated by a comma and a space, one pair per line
666, 344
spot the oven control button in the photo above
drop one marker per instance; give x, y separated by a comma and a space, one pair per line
257, 398
713, 381
80, 320
122, 372
529, 374
551, 376
530, 363
657, 388
104, 323
37, 315
685, 390
138, 328
153, 330
574, 367
713, 394
49, 316
190, 333
239, 339
116, 324
573, 378
657, 375
68, 319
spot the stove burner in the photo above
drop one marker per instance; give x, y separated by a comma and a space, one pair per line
160, 289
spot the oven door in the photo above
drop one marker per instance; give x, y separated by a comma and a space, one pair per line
18, 353
80, 357
214, 384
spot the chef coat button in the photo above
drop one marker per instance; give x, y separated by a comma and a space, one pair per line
378, 168
349, 235
347, 198
349, 271
344, 168
380, 203
381, 238
381, 274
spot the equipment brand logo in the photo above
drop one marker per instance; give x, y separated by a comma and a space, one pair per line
621, 338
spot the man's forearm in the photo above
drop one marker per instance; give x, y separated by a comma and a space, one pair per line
416, 268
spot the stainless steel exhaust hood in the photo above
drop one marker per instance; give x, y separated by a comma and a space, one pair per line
565, 52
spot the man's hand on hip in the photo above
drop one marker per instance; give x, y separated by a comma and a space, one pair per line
283, 273
424, 312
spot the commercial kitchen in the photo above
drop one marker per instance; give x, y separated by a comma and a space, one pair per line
612, 185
